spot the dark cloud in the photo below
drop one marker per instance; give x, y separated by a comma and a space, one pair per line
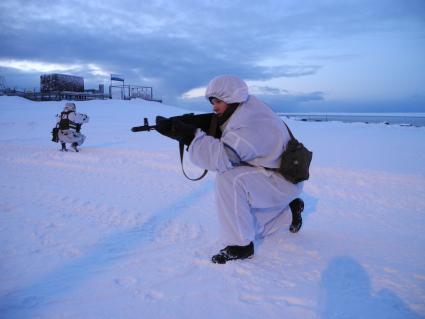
290, 102
315, 102
279, 100
407, 104
179, 45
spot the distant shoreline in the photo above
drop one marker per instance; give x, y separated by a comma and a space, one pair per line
403, 119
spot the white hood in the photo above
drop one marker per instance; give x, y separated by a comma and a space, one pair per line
69, 107
229, 89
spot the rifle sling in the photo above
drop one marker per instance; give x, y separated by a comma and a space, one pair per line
212, 132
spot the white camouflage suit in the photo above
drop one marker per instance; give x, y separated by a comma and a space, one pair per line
71, 135
252, 202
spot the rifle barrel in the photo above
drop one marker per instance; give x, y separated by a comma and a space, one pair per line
143, 128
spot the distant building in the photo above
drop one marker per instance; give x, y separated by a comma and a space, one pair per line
61, 82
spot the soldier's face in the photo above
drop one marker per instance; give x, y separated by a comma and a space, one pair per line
219, 106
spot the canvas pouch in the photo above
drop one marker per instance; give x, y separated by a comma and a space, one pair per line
295, 161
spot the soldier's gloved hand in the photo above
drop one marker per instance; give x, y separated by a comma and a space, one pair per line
164, 127
175, 129
185, 132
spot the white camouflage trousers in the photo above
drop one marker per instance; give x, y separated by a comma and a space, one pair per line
252, 203
71, 136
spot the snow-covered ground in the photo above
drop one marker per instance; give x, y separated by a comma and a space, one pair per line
116, 231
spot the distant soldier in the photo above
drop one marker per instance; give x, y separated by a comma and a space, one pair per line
68, 127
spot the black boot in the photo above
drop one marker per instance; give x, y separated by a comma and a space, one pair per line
297, 206
233, 252
63, 149
74, 146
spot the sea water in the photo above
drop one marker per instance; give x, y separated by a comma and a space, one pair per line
405, 119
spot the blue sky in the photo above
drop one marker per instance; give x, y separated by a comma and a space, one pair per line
315, 56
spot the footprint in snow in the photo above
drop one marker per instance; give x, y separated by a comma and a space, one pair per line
125, 281
154, 295
31, 302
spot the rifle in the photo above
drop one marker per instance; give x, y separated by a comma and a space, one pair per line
206, 122
201, 121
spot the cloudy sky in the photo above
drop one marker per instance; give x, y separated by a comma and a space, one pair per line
297, 55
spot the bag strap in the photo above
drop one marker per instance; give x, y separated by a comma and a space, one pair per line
60, 119
211, 131
289, 130
66, 113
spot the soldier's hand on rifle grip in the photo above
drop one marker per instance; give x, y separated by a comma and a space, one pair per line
164, 127
185, 132
175, 129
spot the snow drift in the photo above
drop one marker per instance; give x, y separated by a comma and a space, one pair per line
116, 231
